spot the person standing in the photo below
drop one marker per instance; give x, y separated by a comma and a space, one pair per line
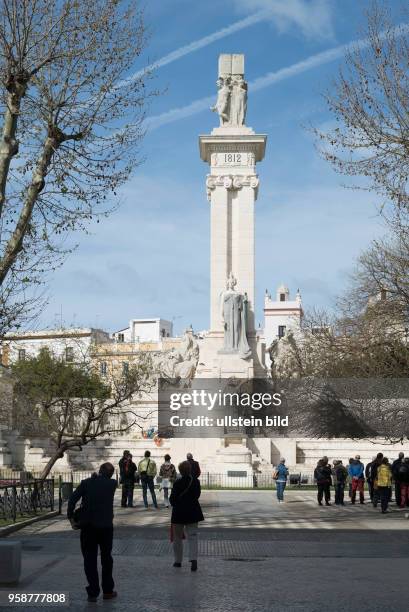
280, 476
402, 477
194, 466
127, 471
147, 472
96, 524
384, 480
167, 473
322, 475
395, 470
368, 476
340, 476
356, 473
374, 478
186, 514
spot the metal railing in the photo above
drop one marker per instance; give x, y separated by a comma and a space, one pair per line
18, 499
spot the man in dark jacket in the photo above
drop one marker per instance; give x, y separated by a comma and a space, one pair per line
194, 466
374, 477
402, 479
395, 470
368, 476
127, 471
96, 523
322, 475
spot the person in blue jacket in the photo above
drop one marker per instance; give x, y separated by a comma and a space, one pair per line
280, 476
357, 476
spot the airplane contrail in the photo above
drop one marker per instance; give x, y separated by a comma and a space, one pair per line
318, 59
198, 44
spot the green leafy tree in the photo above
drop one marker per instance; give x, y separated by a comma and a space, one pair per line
72, 405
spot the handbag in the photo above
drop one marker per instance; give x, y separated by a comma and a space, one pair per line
79, 520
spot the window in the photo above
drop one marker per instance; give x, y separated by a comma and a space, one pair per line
125, 368
121, 337
163, 332
281, 331
282, 297
69, 354
103, 368
21, 354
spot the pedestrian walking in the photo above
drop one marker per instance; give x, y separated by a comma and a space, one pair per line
340, 476
186, 514
194, 466
395, 470
147, 472
95, 519
384, 482
402, 477
280, 476
322, 475
167, 475
374, 478
356, 474
127, 471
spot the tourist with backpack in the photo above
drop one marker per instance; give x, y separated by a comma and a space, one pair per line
384, 483
280, 476
322, 476
340, 476
167, 476
147, 472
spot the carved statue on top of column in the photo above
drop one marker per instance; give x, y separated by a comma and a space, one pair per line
231, 104
233, 307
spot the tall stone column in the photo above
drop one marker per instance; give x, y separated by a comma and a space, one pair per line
232, 152
232, 186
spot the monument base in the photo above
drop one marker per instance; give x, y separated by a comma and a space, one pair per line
215, 362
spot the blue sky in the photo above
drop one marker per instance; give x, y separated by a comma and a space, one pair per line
151, 257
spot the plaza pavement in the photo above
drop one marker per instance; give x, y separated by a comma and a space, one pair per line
255, 556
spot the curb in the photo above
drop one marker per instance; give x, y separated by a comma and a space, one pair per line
4, 531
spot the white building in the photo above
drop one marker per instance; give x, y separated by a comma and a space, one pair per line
282, 314
144, 330
70, 344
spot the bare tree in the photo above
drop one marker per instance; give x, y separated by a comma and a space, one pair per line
72, 405
370, 104
72, 126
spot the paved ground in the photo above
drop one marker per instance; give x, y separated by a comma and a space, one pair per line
255, 556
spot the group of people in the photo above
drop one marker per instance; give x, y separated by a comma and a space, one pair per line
379, 475
95, 515
145, 473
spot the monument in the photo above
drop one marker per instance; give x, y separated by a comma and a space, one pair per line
232, 151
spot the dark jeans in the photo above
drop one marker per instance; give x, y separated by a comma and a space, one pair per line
91, 539
147, 483
323, 490
384, 493
370, 488
127, 494
339, 492
397, 493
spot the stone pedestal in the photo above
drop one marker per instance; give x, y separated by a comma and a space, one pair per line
232, 186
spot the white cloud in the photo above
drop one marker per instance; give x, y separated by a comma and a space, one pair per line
312, 17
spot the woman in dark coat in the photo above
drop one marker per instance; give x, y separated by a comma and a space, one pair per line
186, 514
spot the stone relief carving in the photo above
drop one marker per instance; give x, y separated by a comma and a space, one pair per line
230, 182
179, 365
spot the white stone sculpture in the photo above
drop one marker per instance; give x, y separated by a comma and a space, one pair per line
233, 306
181, 364
231, 104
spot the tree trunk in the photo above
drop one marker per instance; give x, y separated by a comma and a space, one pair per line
59, 453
